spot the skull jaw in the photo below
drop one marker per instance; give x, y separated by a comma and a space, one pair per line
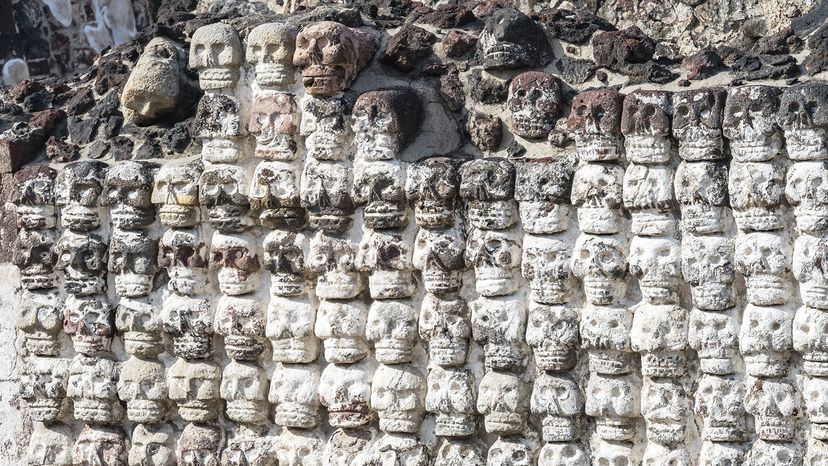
597, 147
348, 414
198, 410
38, 281
610, 362
287, 284
127, 217
494, 281
330, 222
702, 219
454, 425
532, 125
143, 344
391, 284
296, 415
659, 291
339, 285
811, 218
493, 215
505, 423
433, 215
603, 291
345, 350
44, 409
301, 350
80, 218
234, 284
709, 296
774, 428
275, 74
666, 432
42, 344
716, 365
814, 295
229, 219
325, 80
648, 148
145, 410
90, 345
217, 78
440, 282
768, 364
806, 144
247, 411
652, 222
402, 422
758, 148
283, 218
615, 428
819, 430
95, 410
724, 432
599, 220
555, 360
36, 217
699, 143
179, 216
559, 428
193, 345
504, 356
814, 363
448, 354
281, 147
186, 281
758, 219
133, 285
547, 291
767, 290
393, 351
543, 217
382, 215
243, 347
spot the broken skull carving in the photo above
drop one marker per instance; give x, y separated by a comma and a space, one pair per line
495, 257
200, 445
719, 401
241, 321
219, 127
274, 196
542, 189
384, 122
701, 192
535, 102
345, 390
189, 321
133, 259
380, 188
34, 194
100, 446
438, 255
804, 118
601, 264
90, 323
512, 40
40, 318
78, 189
223, 193
750, 123
183, 254
433, 185
488, 186
595, 119
805, 188
35, 255
152, 89
43, 387
499, 324
325, 193
697, 123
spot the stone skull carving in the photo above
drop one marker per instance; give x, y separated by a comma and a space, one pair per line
333, 262
345, 390
398, 394
511, 40
495, 257
460, 452
445, 325
341, 327
398, 449
290, 325
806, 192
78, 188
615, 401
183, 253
250, 445
499, 324
144, 389
392, 328
600, 262
294, 394
433, 185
270, 48
488, 186
325, 193
816, 406
387, 257
701, 191
34, 253
756, 195
274, 196
284, 258
659, 334
774, 405
200, 445
90, 322
140, 324
557, 400
605, 333
763, 453
697, 123
244, 388
40, 317
503, 398
542, 189
326, 127
51, 445
613, 453
331, 56
707, 264
380, 188
750, 123
236, 260
721, 454
219, 127
34, 195
93, 389
765, 340
809, 339
133, 259
438, 255
194, 386
563, 454
241, 321
216, 52
511, 451
345, 446
175, 192
808, 258
595, 120
719, 402
452, 396
648, 194
152, 445
43, 387
535, 102
552, 333
656, 263
100, 446
274, 121
645, 123
803, 118
153, 87
714, 336
296, 447
665, 407
656, 454
384, 122
764, 259
597, 193
189, 321
128, 192
223, 193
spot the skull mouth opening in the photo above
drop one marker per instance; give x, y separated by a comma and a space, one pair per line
345, 350
559, 428
44, 409
597, 147
92, 410
178, 215
433, 215
295, 415
615, 428
454, 425
218, 78
348, 414
774, 428
646, 148
145, 410
702, 219
243, 347
35, 217
132, 285
78, 217
327, 79
448, 352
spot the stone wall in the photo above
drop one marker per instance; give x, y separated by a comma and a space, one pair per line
459, 235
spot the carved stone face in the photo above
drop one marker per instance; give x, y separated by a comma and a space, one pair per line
41, 319
218, 125
35, 197
488, 186
503, 399
93, 390
445, 325
808, 257
701, 191
143, 387
718, 401
806, 191
645, 122
438, 255
398, 395
345, 445
194, 387
333, 261
249, 447
615, 401
346, 391
299, 447
397, 448
35, 255
707, 265
78, 188
384, 122
697, 123
90, 323
552, 332
153, 86
597, 193
184, 255
51, 445
774, 405
545, 264
535, 102
672, 454
216, 52
326, 128
765, 340
140, 325
294, 394
451, 396
387, 257
750, 123
764, 453
236, 259
290, 323
605, 332
325, 193
176, 194
43, 387
765, 261
244, 387
270, 48
433, 185
721, 454
563, 454
460, 452
495, 257
200, 445
241, 321
595, 118
809, 328
500, 325
542, 189
274, 196
189, 322
152, 445
284, 258
665, 407
659, 334
656, 262
223, 192
803, 117
816, 406
512, 40
648, 194
275, 123
392, 327
756, 194
133, 260
601, 264
331, 56
714, 336
100, 446
380, 188
341, 327
510, 451
556, 399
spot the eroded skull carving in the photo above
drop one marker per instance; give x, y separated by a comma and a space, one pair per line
51, 445
241, 321
605, 333
552, 333
296, 447
326, 128
284, 258
438, 255
384, 122
452, 396
380, 188
189, 321
275, 123
488, 186
270, 47
398, 394
244, 387
459, 452
775, 405
601, 264
563, 454
721, 454
645, 123
697, 123
176, 193
675, 455
100, 446
200, 445
78, 188
719, 402
152, 445
274, 196
656, 262
133, 259
90, 322
345, 390
331, 56
250, 445
325, 193
756, 195
446, 327
648, 194
659, 334
714, 336
500, 325
511, 40
219, 126
613, 453
144, 389
546, 266
765, 261
128, 192
803, 117
557, 400
701, 191
223, 192
93, 389
195, 388
535, 102
503, 398
34, 194
707, 265
345, 446
392, 327
750, 123
236, 259
810, 253
597, 193
43, 387
542, 189
216, 52
810, 339
805, 189
183, 254
294, 394
595, 120
398, 449
333, 261
341, 327
433, 185
511, 451
153, 87
40, 317
665, 407
495, 257
34, 253
290, 325
386, 256
615, 401
140, 324
765, 340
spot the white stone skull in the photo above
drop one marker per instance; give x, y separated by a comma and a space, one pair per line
387, 257
379, 187
341, 327
563, 454
543, 187
659, 334
189, 321
325, 192
40, 317
445, 325
175, 192
326, 127
545, 264
345, 446
557, 401
35, 255
216, 52
612, 453
270, 49
721, 454
241, 321
200, 445
250, 445
433, 184
438, 255
766, 340
499, 324
756, 195
296, 447
100, 445
144, 389
236, 260
775, 406
195, 388
51, 445
656, 262
503, 399
78, 189
34, 196
552, 333
488, 187
511, 451
82, 257
648, 195
332, 261
398, 395
397, 449
810, 339
714, 336
750, 123
764, 259
284, 257
452, 396
597, 193
697, 123
707, 265
719, 402
294, 394
345, 390
140, 324
601, 264
701, 192
244, 387
183, 254
90, 322
645, 123
290, 323
127, 192
595, 120
43, 387
152, 444
392, 328
763, 453
809, 252
495, 257
665, 407
133, 261
674, 455
275, 197
605, 333
806, 190
93, 389
815, 393
460, 452
615, 400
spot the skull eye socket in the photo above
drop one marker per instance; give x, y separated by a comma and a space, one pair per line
793, 107
199, 49
649, 110
518, 455
582, 110
683, 110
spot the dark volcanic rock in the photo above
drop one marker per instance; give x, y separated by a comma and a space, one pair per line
783, 42
443, 16
486, 131
410, 45
458, 43
817, 60
451, 89
812, 20
487, 90
575, 27
616, 50
81, 102
756, 67
575, 70
702, 64
25, 89
60, 151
